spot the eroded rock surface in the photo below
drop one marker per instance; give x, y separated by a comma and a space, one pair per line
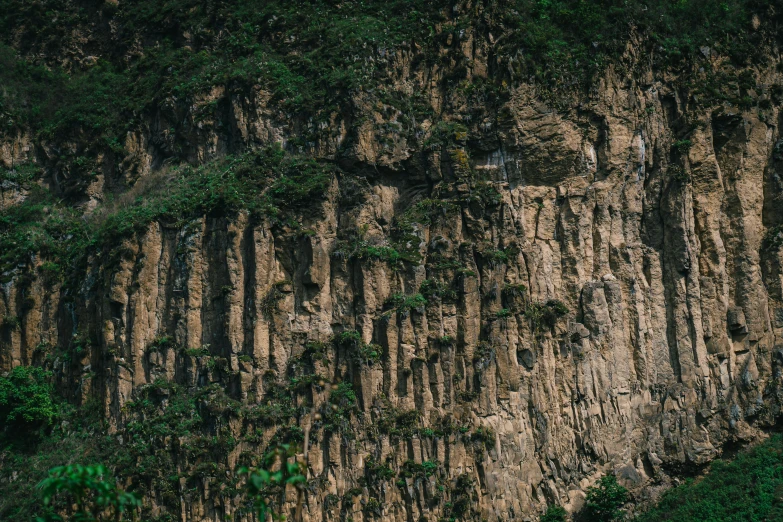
671, 346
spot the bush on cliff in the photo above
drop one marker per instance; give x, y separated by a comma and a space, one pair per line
604, 501
26, 401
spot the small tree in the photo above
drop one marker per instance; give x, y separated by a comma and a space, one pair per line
604, 500
26, 398
554, 514
96, 498
276, 472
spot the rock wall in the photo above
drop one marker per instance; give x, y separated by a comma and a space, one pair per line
657, 246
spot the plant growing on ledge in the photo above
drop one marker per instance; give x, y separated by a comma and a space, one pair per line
503, 313
351, 342
404, 304
545, 315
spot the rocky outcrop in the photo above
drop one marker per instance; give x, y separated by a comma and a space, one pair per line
607, 299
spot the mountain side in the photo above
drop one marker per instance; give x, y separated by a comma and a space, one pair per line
502, 248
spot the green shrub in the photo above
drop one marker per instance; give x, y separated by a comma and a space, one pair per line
351, 342
342, 402
349, 339
682, 146
26, 398
426, 469
431, 289
494, 256
462, 498
398, 424
554, 514
375, 472
604, 500
447, 133
545, 314
368, 354
483, 439
678, 173
404, 304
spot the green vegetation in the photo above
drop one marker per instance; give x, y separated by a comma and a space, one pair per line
266, 182
494, 256
432, 290
362, 353
398, 424
278, 469
682, 146
503, 313
26, 402
184, 64
483, 439
403, 305
342, 403
39, 226
94, 496
554, 514
678, 173
411, 469
312, 56
750, 487
376, 473
543, 315
308, 54
604, 501
358, 248
566, 42
463, 498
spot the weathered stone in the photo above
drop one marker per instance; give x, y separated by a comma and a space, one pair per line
649, 368
736, 321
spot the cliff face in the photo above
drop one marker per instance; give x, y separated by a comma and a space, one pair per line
542, 296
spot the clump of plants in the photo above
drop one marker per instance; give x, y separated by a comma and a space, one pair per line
604, 500
554, 514
432, 289
403, 304
336, 413
545, 315
411, 469
362, 353
26, 401
398, 424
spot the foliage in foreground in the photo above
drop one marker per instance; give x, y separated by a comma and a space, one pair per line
94, 495
278, 470
88, 495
